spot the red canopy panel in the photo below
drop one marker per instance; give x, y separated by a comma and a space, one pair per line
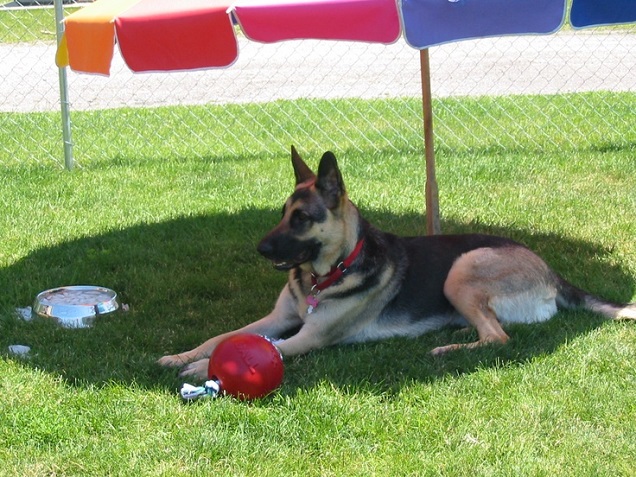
169, 35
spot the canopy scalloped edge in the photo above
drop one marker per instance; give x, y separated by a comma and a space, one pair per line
168, 35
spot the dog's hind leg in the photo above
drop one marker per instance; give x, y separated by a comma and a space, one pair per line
489, 286
473, 305
472, 282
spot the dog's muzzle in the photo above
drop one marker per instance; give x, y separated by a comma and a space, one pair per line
286, 253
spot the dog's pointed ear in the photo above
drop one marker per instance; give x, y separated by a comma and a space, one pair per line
301, 170
329, 182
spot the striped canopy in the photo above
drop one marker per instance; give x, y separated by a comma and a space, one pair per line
168, 35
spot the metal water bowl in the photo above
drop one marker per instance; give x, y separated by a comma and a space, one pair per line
75, 306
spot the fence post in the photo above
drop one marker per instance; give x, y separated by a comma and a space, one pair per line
64, 103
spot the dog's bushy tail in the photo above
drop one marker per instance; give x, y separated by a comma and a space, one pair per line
568, 296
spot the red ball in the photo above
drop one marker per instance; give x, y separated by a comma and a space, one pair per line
246, 366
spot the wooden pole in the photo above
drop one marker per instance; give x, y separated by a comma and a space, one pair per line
432, 198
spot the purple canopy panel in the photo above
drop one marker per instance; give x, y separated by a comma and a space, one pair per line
432, 22
587, 13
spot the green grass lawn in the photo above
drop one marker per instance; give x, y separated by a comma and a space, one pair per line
174, 229
29, 24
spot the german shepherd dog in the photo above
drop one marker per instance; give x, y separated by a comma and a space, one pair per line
350, 282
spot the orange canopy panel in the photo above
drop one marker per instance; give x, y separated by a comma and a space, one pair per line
89, 37
153, 35
375, 21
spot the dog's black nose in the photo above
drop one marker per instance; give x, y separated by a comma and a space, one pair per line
265, 248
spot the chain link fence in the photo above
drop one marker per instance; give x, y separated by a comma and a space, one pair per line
341, 88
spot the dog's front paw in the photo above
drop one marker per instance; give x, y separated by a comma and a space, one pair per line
173, 360
198, 369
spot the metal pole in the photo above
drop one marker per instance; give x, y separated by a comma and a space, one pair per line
432, 198
64, 103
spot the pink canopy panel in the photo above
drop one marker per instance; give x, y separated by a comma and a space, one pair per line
355, 20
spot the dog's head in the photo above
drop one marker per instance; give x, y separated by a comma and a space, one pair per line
315, 224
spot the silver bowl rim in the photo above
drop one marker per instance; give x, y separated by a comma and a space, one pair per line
75, 314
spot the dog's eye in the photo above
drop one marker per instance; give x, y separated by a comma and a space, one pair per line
301, 217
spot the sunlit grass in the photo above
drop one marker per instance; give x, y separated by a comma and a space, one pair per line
173, 229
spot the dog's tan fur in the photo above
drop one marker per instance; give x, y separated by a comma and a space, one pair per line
397, 286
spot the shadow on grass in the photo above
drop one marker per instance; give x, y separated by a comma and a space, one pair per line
194, 277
